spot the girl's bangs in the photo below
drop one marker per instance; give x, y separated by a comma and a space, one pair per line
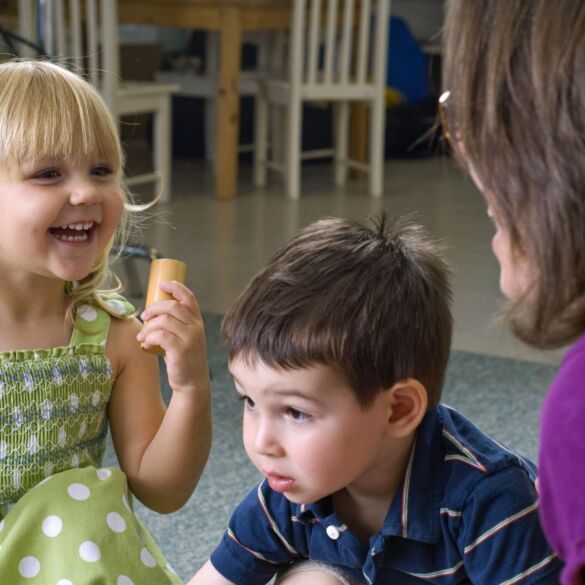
55, 116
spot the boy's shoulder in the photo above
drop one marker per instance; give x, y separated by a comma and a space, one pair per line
466, 456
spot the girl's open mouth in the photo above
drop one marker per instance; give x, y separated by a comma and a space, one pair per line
75, 232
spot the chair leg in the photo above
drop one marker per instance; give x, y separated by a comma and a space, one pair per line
210, 113
260, 139
376, 146
278, 136
341, 142
210, 109
293, 154
163, 147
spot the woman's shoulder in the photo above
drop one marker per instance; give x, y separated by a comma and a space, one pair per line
565, 399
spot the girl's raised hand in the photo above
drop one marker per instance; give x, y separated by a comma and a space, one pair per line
176, 326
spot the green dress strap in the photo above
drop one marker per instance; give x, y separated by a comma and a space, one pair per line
92, 323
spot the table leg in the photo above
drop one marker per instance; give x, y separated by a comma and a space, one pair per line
358, 146
228, 110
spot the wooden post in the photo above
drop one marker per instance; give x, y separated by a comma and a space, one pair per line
228, 111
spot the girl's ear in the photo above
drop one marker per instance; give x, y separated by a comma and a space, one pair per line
406, 403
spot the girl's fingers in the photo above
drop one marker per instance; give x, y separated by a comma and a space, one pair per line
172, 309
180, 293
166, 322
183, 306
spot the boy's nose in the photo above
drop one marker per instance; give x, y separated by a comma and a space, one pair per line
265, 440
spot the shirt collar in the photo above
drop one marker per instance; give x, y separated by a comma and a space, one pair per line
415, 510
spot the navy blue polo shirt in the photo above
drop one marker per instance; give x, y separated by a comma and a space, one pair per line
466, 513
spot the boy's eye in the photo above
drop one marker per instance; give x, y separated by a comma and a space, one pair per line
248, 402
298, 415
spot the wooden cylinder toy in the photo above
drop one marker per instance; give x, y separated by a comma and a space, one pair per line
162, 269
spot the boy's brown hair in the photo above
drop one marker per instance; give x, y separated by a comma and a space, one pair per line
516, 74
373, 303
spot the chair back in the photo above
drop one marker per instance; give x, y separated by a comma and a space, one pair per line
337, 45
84, 35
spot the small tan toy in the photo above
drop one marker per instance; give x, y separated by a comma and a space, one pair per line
162, 269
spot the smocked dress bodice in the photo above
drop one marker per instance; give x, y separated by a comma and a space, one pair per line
53, 404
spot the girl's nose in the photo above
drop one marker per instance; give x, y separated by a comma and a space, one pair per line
84, 192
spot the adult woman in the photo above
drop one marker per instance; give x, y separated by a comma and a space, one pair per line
515, 71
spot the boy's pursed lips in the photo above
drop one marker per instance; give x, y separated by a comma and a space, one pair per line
278, 483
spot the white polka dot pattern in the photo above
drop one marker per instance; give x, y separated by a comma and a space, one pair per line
87, 313
90, 552
103, 473
118, 307
78, 491
147, 559
29, 567
52, 526
116, 522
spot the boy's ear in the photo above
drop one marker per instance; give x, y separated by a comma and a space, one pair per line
406, 405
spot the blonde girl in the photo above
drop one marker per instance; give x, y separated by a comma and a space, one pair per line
70, 358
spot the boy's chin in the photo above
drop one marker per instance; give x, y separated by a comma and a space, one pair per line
302, 499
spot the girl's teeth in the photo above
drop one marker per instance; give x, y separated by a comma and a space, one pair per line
65, 238
79, 226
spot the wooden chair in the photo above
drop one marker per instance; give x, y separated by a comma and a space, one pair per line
337, 53
206, 85
84, 35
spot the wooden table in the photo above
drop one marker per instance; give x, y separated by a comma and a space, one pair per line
229, 18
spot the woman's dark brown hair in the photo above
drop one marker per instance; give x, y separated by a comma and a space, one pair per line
516, 73
372, 303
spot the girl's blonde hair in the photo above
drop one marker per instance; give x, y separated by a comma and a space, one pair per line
48, 111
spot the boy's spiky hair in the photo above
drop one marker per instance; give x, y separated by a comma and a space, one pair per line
373, 303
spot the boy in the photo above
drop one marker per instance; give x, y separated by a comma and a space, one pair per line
338, 348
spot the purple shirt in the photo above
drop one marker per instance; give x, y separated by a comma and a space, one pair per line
561, 468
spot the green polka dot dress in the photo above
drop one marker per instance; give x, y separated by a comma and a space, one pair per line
65, 520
